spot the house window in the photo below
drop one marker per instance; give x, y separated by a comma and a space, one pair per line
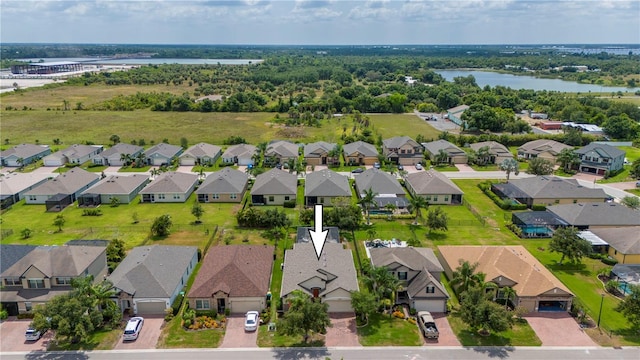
446, 198
575, 201
321, 200
215, 196
161, 196
557, 202
12, 281
202, 305
402, 275
63, 281
28, 306
271, 198
36, 283
176, 196
435, 197
286, 198
233, 196
428, 197
32, 197
431, 289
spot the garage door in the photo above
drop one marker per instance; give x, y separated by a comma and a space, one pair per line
340, 306
151, 307
430, 305
188, 161
241, 307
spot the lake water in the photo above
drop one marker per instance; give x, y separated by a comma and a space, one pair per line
153, 61
493, 79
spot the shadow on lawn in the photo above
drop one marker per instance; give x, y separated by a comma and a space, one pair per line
569, 268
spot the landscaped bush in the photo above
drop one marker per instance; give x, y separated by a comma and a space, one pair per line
609, 261
515, 229
505, 204
538, 207
209, 313
412, 320
71, 165
398, 314
91, 212
289, 204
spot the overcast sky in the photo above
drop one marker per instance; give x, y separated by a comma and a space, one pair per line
328, 22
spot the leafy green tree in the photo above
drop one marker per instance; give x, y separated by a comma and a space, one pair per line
197, 210
161, 225
304, 316
115, 252
510, 166
417, 203
26, 233
572, 136
363, 304
345, 217
631, 201
306, 216
465, 277
635, 169
568, 159
184, 143
59, 222
621, 127
630, 306
507, 293
115, 202
540, 166
114, 139
565, 240
480, 313
437, 219
368, 201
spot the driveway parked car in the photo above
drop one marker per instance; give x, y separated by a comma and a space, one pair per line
357, 171
132, 331
418, 167
33, 334
251, 321
376, 165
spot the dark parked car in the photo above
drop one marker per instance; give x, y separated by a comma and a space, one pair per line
357, 171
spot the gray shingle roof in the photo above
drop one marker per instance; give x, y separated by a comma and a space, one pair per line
434, 147
626, 240
361, 147
335, 268
11, 254
378, 181
238, 270
14, 183
240, 150
398, 141
24, 150
603, 149
549, 187
318, 148
275, 182
75, 151
225, 181
171, 182
411, 257
596, 214
65, 183
121, 148
495, 148
165, 150
326, 183
432, 182
536, 147
283, 149
153, 271
117, 184
57, 260
201, 150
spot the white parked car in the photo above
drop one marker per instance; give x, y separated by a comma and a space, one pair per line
132, 331
251, 321
32, 334
418, 167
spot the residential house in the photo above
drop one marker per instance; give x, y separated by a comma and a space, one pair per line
9, 255
280, 151
548, 190
234, 277
360, 153
241, 154
124, 188
74, 154
23, 154
455, 115
162, 154
14, 186
332, 278
71, 184
274, 187
385, 185
226, 185
170, 187
201, 154
542, 148
419, 272
434, 186
303, 236
600, 159
623, 243
317, 153
46, 272
596, 215
324, 187
536, 289
117, 154
497, 152
402, 150
455, 155
150, 278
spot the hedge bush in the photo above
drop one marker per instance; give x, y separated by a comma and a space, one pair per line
290, 204
538, 207
610, 262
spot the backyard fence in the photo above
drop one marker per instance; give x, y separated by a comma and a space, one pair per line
473, 211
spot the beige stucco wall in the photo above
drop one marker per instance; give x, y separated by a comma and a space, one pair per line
624, 259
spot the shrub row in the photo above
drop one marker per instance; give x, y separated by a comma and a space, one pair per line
91, 212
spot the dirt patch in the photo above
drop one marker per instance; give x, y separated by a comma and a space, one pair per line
291, 133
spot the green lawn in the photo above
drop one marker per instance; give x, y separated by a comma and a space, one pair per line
100, 340
383, 330
175, 336
521, 334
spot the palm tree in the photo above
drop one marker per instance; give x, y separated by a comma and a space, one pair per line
442, 157
509, 166
507, 292
417, 203
568, 159
126, 159
20, 162
368, 201
291, 165
465, 277
483, 156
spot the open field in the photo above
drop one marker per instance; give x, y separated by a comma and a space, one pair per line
97, 126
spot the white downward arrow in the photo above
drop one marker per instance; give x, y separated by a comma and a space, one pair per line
318, 236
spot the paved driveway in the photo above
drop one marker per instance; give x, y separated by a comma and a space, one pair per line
12, 337
446, 337
342, 331
558, 329
236, 337
464, 167
148, 337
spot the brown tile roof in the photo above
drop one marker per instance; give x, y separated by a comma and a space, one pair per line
512, 262
238, 270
